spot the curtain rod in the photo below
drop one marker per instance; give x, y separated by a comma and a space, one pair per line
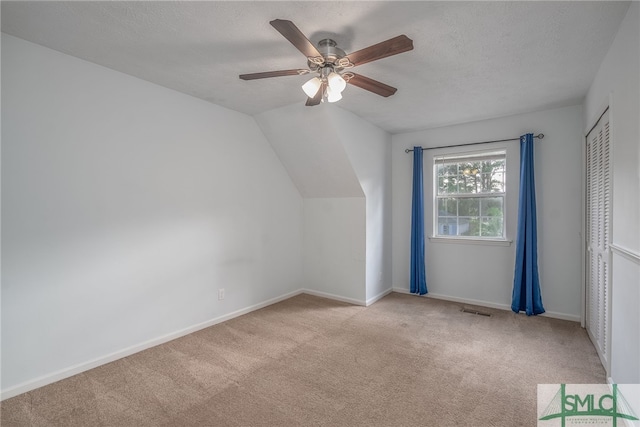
539, 136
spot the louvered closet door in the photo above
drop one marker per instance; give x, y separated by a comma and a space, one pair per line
598, 222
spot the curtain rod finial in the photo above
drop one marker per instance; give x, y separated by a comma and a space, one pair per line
540, 135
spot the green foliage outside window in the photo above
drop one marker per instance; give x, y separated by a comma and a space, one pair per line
470, 196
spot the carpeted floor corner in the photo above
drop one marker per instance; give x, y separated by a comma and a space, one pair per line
309, 361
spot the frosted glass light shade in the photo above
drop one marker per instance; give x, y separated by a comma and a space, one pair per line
312, 86
336, 82
333, 95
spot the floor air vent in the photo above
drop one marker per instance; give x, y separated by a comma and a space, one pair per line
472, 311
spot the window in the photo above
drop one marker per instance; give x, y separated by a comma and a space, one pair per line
470, 195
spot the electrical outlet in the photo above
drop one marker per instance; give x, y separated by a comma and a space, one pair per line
220, 294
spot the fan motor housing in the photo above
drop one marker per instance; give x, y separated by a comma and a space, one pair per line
330, 53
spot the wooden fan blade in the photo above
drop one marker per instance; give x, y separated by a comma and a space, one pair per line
295, 36
372, 85
381, 50
267, 74
317, 98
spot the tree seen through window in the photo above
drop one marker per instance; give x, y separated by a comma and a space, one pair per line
470, 195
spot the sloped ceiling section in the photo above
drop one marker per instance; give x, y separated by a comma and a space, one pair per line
310, 149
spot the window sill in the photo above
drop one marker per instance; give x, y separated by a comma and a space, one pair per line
470, 241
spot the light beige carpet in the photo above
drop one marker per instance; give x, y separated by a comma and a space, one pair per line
309, 361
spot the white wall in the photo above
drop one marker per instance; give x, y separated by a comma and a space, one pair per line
617, 84
483, 273
332, 154
125, 207
308, 145
334, 247
306, 142
369, 150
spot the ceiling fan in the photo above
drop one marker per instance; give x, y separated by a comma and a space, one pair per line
332, 65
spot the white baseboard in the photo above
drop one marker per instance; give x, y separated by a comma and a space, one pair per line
378, 297
85, 366
333, 297
489, 304
562, 316
94, 363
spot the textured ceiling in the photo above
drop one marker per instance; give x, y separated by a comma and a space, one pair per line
472, 60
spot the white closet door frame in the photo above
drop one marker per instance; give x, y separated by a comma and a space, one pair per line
598, 235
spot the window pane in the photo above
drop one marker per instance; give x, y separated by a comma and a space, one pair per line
491, 227
479, 177
461, 184
477, 183
469, 226
459, 178
466, 184
483, 182
448, 184
495, 169
447, 226
448, 206
452, 184
492, 206
497, 182
447, 169
469, 207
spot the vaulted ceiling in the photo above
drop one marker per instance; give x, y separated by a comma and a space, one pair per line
471, 61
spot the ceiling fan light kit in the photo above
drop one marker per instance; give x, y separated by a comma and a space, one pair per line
330, 63
312, 87
336, 82
332, 82
333, 95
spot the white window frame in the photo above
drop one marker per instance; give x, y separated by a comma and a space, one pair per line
498, 240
